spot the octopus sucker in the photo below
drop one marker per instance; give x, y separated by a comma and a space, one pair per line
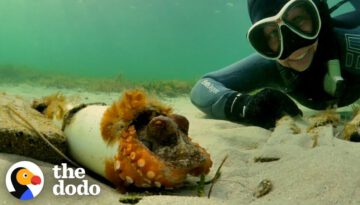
137, 141
129, 180
150, 174
141, 163
132, 156
117, 165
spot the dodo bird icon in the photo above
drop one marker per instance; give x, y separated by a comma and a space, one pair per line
21, 177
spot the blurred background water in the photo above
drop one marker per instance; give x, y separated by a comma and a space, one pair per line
141, 39
136, 39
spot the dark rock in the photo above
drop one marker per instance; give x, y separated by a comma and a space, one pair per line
17, 137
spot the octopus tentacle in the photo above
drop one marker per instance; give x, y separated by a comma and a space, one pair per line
139, 166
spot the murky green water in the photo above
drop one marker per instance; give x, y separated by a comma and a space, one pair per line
138, 39
141, 39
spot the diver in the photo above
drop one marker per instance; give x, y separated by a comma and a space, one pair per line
303, 53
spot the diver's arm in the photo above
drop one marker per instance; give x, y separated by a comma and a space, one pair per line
210, 96
211, 93
224, 94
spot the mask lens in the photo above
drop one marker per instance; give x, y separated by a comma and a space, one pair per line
266, 39
303, 18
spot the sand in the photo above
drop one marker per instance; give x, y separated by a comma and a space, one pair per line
328, 173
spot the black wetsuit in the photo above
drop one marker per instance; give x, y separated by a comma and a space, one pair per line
213, 93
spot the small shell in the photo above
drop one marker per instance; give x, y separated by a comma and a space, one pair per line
264, 187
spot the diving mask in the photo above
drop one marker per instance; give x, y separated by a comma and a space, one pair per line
295, 26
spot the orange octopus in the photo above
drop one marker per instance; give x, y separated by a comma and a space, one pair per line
154, 147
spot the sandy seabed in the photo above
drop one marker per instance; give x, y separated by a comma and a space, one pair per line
326, 174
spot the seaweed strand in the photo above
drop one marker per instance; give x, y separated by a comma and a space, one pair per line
217, 176
42, 136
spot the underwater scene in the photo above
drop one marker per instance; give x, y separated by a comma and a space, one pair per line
206, 102
108, 45
154, 44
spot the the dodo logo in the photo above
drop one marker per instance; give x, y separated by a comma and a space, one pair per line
24, 180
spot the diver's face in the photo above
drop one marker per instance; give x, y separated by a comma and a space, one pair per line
301, 59
288, 34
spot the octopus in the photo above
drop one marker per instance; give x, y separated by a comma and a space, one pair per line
155, 149
137, 141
